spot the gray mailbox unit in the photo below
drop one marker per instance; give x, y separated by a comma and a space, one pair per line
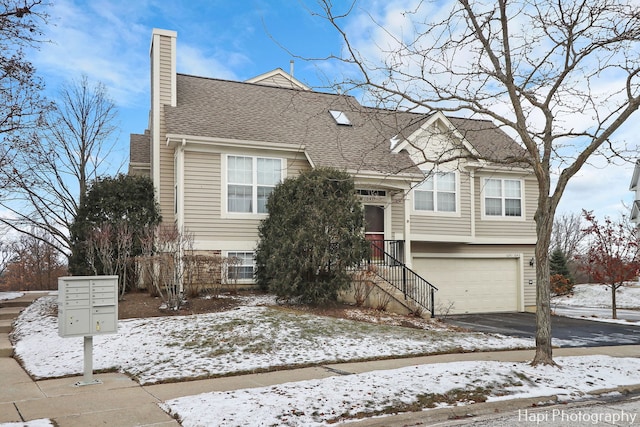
87, 305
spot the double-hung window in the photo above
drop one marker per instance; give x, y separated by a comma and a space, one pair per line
240, 265
437, 193
503, 197
250, 181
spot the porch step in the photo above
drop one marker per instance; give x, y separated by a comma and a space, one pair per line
10, 313
6, 349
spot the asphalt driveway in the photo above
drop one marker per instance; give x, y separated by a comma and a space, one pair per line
566, 331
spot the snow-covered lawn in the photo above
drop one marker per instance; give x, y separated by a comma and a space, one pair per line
247, 339
595, 295
255, 337
320, 402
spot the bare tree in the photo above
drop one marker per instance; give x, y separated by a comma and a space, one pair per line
5, 256
21, 104
33, 265
567, 235
72, 149
560, 76
109, 250
166, 248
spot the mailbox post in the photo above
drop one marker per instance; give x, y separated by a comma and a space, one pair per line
87, 306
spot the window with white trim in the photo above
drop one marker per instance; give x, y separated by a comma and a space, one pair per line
503, 197
437, 193
240, 266
250, 181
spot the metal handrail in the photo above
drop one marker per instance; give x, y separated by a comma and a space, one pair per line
390, 254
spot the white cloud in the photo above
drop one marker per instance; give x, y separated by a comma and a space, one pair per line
93, 39
192, 60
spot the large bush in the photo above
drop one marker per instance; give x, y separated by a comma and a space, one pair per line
110, 223
558, 264
561, 279
313, 235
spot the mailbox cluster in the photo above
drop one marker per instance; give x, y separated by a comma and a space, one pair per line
87, 305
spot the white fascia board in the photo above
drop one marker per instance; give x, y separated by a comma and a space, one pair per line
382, 177
504, 241
498, 168
401, 145
634, 212
470, 240
176, 139
636, 176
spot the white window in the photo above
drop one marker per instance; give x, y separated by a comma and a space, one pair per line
503, 197
250, 181
437, 193
240, 266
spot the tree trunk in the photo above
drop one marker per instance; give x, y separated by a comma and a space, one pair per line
614, 310
544, 225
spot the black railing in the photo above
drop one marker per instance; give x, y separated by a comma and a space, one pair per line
388, 257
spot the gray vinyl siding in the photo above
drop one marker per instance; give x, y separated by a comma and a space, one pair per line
527, 251
428, 223
167, 177
203, 204
277, 80
505, 227
202, 196
165, 70
166, 192
397, 219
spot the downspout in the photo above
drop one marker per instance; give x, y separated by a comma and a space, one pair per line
472, 183
407, 230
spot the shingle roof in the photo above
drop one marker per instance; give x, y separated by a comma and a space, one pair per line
140, 147
490, 141
252, 112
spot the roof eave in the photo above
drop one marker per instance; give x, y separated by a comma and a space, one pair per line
180, 139
636, 175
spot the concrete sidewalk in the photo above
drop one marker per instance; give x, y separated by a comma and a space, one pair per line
120, 401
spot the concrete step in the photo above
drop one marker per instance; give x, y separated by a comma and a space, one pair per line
10, 313
6, 326
6, 349
14, 303
24, 300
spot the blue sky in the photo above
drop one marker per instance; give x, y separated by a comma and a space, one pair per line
108, 40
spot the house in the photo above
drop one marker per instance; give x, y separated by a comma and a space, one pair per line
215, 149
635, 187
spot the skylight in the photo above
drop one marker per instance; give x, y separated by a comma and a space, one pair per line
340, 117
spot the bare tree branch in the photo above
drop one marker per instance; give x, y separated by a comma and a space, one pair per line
71, 149
561, 77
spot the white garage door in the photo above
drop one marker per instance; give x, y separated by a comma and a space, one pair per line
471, 285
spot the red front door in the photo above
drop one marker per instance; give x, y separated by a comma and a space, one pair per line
374, 229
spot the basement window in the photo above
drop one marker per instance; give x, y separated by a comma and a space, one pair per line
340, 117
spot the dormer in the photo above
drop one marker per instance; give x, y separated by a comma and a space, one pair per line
278, 78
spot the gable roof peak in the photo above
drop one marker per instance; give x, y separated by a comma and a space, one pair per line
279, 78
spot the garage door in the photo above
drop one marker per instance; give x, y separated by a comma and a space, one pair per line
471, 285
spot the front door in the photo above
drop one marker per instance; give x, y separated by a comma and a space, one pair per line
374, 229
